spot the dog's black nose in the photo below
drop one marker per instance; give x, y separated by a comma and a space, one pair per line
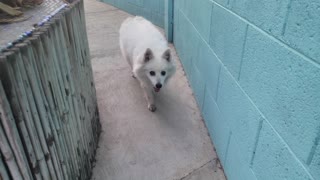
158, 85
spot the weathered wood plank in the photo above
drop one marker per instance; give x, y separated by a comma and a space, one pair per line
10, 128
48, 108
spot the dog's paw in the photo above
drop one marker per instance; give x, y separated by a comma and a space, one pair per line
152, 107
132, 75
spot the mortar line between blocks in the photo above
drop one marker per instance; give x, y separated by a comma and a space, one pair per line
206, 43
267, 121
256, 141
305, 168
243, 49
280, 42
286, 18
227, 149
203, 97
212, 7
222, 65
218, 84
314, 147
172, 21
201, 38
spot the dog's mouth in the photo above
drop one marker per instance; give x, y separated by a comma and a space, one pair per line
156, 89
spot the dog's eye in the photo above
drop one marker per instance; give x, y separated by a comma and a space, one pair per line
163, 73
152, 73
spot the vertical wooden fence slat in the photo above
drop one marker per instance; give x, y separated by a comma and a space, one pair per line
15, 74
10, 128
6, 73
10, 161
56, 93
36, 117
27, 57
54, 139
63, 65
52, 108
3, 171
48, 108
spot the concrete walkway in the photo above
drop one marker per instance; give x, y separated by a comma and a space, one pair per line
136, 144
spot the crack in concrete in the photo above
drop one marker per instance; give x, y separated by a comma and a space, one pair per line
194, 170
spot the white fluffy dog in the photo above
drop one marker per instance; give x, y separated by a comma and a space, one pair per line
147, 52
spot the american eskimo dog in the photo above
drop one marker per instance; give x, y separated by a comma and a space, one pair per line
148, 54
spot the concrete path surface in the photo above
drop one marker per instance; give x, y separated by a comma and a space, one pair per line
136, 144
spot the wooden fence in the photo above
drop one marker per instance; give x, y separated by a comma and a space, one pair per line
48, 109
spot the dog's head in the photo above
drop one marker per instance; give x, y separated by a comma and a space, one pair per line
159, 67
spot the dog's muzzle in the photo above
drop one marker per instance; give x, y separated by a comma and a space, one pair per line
158, 87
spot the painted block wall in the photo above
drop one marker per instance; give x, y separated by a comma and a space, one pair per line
254, 67
153, 10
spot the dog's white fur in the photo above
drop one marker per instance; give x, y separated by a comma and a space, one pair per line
146, 50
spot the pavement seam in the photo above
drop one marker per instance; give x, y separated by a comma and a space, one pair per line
194, 170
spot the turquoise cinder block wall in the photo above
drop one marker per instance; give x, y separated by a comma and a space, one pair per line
254, 67
153, 10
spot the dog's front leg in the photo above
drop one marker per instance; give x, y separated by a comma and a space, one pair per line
150, 97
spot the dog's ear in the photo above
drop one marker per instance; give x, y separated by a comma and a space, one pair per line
148, 55
167, 55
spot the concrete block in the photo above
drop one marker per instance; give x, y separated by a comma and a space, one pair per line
274, 159
161, 7
302, 29
124, 6
139, 2
242, 116
285, 88
267, 14
315, 164
157, 19
178, 4
198, 85
179, 41
155, 6
168, 19
217, 126
208, 66
199, 13
176, 27
236, 167
227, 38
187, 47
151, 10
111, 2
222, 2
